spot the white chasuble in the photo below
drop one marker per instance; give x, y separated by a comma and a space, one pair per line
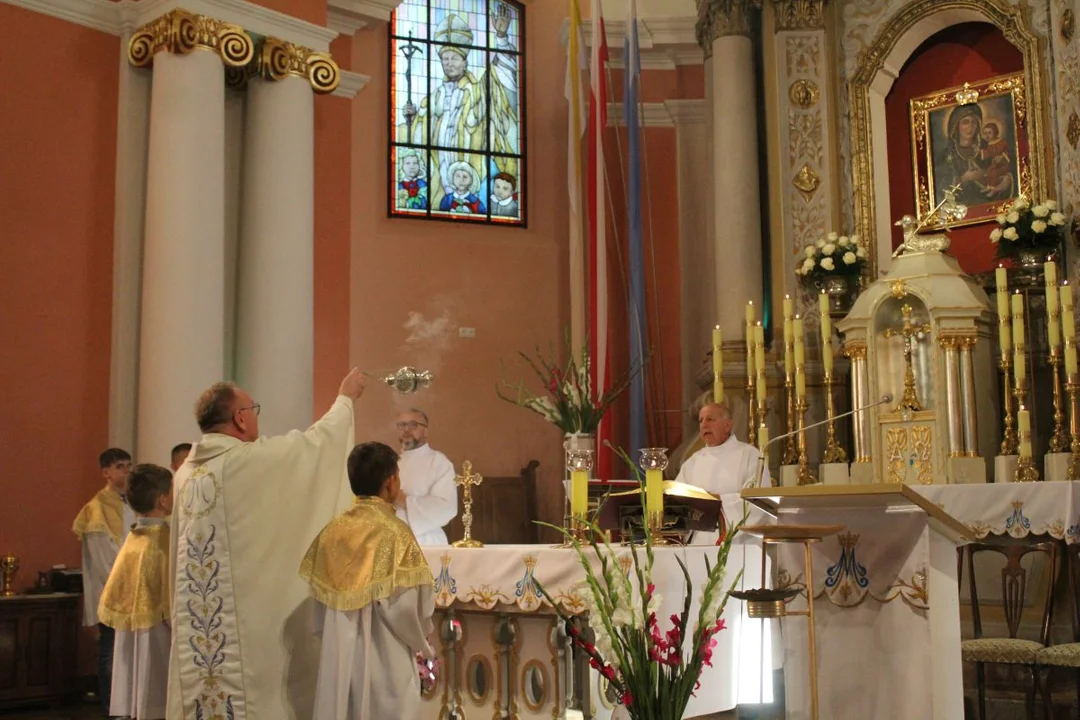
431, 501
243, 642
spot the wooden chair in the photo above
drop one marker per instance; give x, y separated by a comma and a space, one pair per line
1066, 655
504, 509
1009, 650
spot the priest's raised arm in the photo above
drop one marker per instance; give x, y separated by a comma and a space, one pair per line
246, 509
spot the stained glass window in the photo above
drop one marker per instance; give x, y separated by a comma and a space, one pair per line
457, 120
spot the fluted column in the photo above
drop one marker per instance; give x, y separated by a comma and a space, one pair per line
181, 347
723, 31
967, 391
860, 389
952, 396
275, 286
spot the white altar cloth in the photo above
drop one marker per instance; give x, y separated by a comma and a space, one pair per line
1014, 509
503, 578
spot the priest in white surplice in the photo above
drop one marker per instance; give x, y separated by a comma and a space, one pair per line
375, 595
246, 509
427, 500
723, 467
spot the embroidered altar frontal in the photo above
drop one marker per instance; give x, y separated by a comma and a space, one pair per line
503, 651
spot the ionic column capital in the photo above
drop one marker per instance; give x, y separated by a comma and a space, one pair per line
181, 32
718, 18
800, 14
277, 60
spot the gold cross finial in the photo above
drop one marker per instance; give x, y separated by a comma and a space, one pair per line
468, 480
909, 331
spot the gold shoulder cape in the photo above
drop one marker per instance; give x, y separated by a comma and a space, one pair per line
136, 595
103, 514
365, 554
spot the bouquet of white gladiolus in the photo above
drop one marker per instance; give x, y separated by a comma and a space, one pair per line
1027, 227
832, 255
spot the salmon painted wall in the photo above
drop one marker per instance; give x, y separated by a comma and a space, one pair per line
333, 197
56, 201
414, 283
312, 11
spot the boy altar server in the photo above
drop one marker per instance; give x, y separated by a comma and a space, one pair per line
135, 601
375, 599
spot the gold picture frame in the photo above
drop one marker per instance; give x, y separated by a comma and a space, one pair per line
974, 137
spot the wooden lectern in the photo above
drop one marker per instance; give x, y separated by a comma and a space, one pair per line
886, 600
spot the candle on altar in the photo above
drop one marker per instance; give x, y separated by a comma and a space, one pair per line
717, 366
750, 341
826, 333
1004, 314
1019, 345
800, 374
762, 437
759, 364
1023, 420
654, 492
1053, 318
1068, 328
579, 494
789, 330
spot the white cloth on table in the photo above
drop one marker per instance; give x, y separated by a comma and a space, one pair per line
368, 669
427, 479
244, 516
140, 673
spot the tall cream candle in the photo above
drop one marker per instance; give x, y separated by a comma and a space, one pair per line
826, 333
1004, 312
800, 373
759, 364
1019, 343
1053, 318
717, 366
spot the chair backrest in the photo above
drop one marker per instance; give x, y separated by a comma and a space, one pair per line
1072, 578
1015, 581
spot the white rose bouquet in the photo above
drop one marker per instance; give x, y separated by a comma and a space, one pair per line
1024, 226
834, 255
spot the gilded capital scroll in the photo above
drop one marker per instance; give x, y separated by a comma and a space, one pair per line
717, 18
181, 32
278, 60
800, 14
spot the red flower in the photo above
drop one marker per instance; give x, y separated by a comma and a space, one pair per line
627, 699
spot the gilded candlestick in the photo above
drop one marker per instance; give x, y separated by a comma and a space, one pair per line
751, 402
1059, 441
791, 452
1025, 466
9, 565
805, 477
1009, 443
833, 452
1072, 386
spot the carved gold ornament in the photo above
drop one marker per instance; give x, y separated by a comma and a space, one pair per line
718, 18
182, 32
800, 15
806, 181
1072, 133
967, 95
279, 59
804, 93
899, 288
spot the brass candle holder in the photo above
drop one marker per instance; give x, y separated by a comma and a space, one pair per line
751, 403
1072, 387
468, 480
1025, 466
791, 451
805, 477
1010, 444
9, 565
833, 452
1059, 441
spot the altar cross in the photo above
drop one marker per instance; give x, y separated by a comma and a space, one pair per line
468, 480
910, 331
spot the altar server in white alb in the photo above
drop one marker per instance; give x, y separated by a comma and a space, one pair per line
135, 602
375, 595
428, 497
246, 509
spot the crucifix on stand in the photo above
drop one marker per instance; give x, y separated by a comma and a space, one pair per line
909, 401
468, 480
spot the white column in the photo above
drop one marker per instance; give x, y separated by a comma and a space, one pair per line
132, 128
275, 290
733, 105
183, 289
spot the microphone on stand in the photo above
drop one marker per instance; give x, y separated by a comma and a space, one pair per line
756, 480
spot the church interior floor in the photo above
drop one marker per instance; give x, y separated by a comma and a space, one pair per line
74, 712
